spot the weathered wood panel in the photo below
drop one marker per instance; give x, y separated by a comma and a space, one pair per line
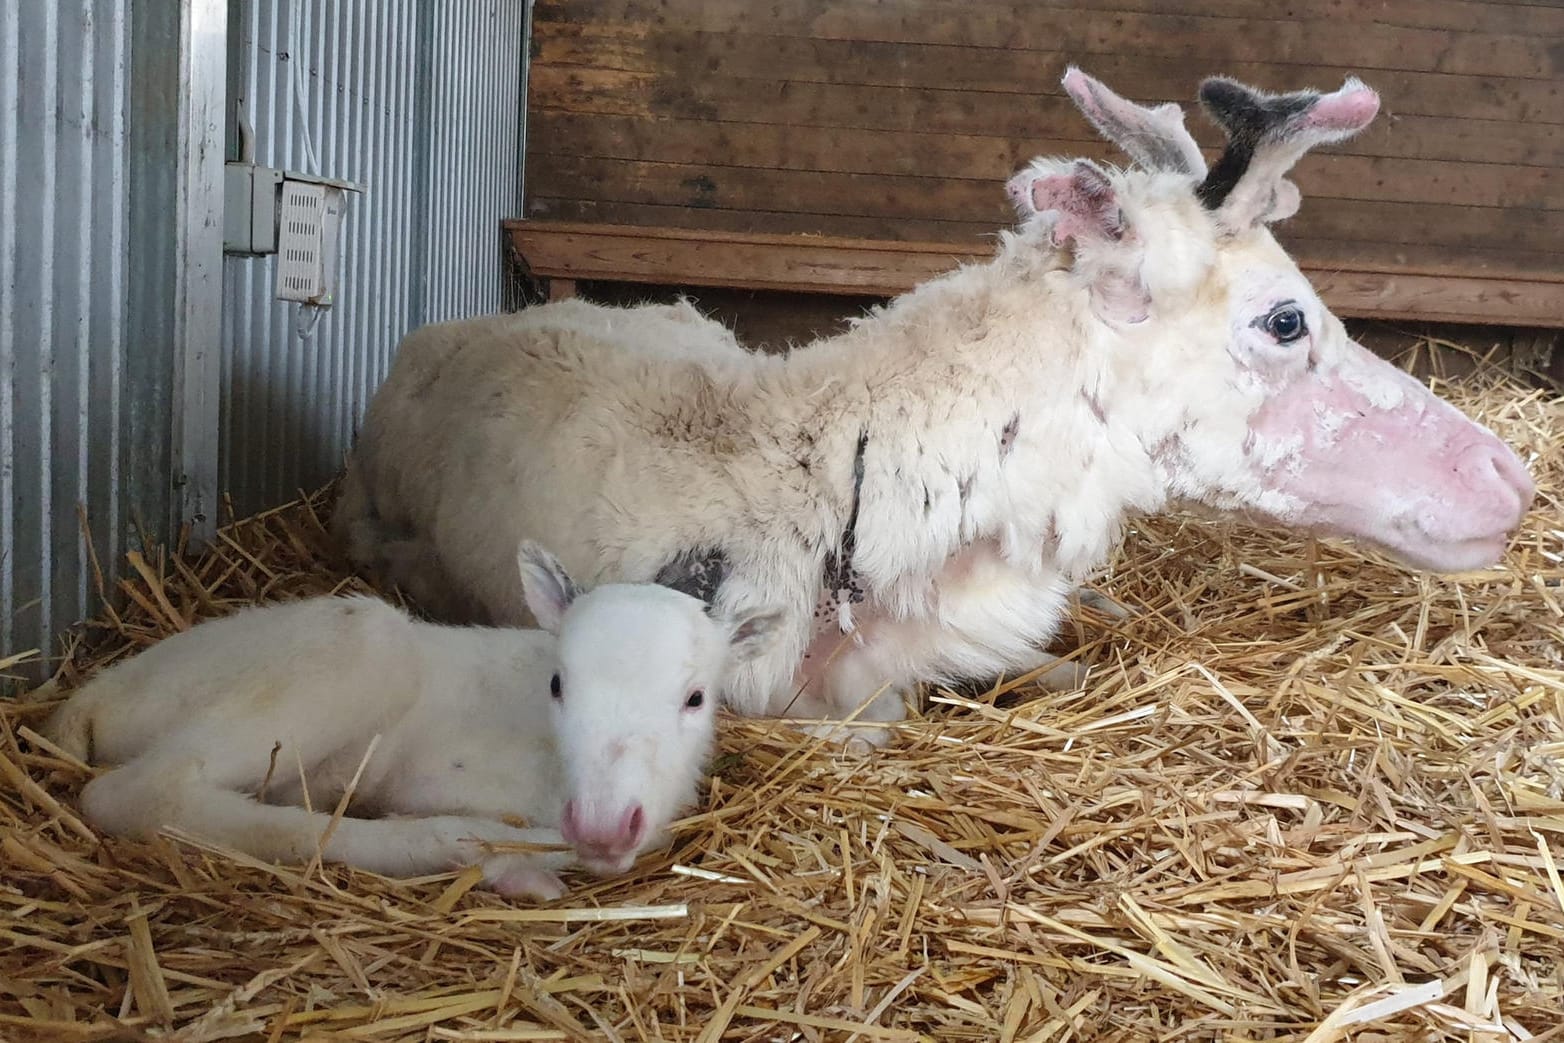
628, 48
1375, 36
1042, 119
1528, 233
900, 119
855, 266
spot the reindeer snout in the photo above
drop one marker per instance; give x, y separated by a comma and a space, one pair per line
601, 837
1490, 465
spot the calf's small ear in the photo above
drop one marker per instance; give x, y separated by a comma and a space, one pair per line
751, 633
548, 588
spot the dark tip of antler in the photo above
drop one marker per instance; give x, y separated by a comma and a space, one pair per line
1246, 116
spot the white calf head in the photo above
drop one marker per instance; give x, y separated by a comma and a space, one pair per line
1210, 344
634, 699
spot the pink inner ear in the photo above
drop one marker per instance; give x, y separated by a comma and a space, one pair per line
1344, 110
1084, 201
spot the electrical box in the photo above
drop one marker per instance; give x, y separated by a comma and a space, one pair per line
250, 208
309, 218
296, 216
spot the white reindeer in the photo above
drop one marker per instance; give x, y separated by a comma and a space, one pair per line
235, 729
923, 491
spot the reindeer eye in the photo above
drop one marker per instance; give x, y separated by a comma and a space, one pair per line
1286, 324
696, 699
553, 686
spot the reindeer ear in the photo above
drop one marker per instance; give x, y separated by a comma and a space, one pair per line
1082, 197
751, 633
1086, 213
1266, 135
1155, 138
546, 585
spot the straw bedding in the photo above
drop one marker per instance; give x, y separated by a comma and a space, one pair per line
1305, 795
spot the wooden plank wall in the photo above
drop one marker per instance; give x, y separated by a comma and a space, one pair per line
901, 119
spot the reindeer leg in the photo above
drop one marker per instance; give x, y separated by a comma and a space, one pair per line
148, 795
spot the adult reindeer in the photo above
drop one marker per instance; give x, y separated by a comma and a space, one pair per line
924, 491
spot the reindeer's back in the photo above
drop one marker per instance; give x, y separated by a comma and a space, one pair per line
247, 667
493, 430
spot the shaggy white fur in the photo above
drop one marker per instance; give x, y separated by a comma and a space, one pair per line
923, 491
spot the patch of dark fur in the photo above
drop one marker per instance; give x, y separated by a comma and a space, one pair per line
841, 578
1098, 191
571, 588
1095, 405
1170, 452
698, 572
1007, 437
1162, 154
1248, 118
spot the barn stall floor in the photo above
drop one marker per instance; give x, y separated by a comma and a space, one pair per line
1306, 796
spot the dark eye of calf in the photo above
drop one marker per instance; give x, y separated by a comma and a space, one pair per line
695, 700
553, 686
1285, 323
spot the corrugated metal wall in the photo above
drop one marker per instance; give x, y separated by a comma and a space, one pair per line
63, 253
417, 101
474, 119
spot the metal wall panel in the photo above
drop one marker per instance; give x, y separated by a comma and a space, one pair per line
475, 111
294, 378
418, 102
64, 76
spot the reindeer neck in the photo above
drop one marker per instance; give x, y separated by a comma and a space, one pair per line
972, 398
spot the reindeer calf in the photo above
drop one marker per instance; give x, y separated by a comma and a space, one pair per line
593, 730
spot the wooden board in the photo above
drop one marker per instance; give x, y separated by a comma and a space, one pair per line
840, 265
901, 120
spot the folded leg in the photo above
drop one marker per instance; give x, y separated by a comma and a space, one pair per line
143, 797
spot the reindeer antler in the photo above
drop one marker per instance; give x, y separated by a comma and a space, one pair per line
1154, 138
1266, 135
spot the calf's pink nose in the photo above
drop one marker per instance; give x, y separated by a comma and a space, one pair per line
602, 835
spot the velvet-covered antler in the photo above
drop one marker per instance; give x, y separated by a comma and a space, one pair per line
1156, 138
1266, 135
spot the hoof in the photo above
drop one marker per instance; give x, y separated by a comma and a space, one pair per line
1103, 604
858, 746
857, 741
514, 878
1064, 676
